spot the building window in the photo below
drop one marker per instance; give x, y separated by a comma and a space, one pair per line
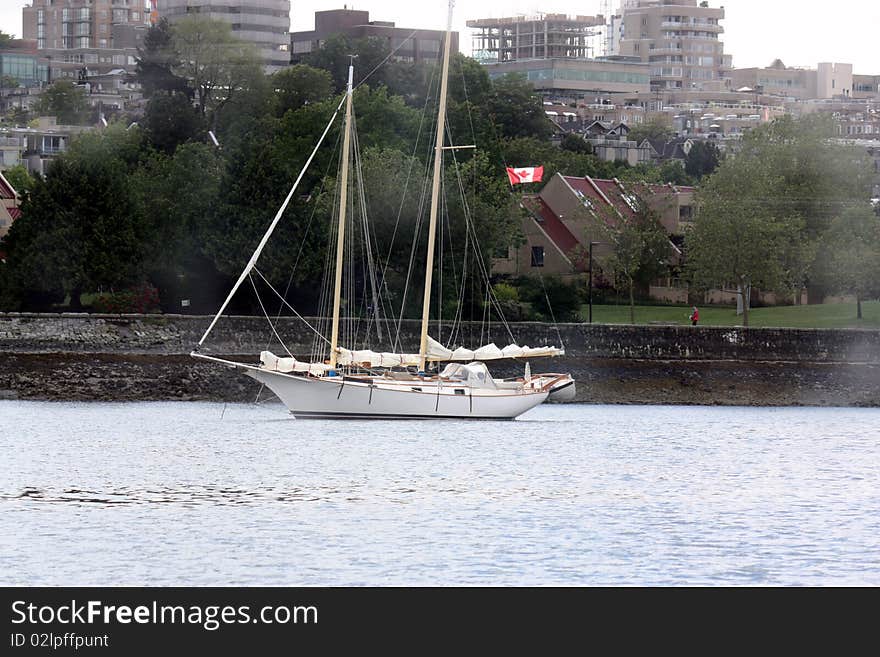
537, 256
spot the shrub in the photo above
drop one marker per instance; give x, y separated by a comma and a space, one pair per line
141, 299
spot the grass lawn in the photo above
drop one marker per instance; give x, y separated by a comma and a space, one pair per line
838, 315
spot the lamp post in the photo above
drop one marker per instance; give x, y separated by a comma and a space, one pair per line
590, 285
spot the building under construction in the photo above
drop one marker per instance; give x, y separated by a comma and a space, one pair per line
546, 36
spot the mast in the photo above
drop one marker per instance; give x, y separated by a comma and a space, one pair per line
343, 206
435, 191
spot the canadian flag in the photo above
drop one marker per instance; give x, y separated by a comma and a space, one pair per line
524, 174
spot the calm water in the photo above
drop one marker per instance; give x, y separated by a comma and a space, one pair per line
202, 494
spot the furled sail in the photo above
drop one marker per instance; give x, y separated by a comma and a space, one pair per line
436, 353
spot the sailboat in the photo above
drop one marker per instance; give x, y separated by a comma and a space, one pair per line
363, 383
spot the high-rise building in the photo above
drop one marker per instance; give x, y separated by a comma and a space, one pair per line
263, 23
679, 39
99, 35
557, 54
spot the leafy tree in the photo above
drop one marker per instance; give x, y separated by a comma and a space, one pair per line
170, 120
702, 160
217, 65
66, 101
763, 210
516, 109
738, 238
654, 128
575, 144
5, 39
78, 230
640, 249
849, 260
300, 85
156, 62
816, 178
175, 197
335, 55
20, 179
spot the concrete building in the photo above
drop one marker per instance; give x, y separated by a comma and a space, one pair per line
98, 34
545, 36
21, 62
827, 80
557, 54
263, 23
679, 39
407, 44
578, 78
34, 147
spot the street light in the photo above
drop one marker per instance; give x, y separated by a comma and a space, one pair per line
590, 286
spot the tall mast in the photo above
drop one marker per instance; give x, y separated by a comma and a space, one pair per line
435, 192
343, 206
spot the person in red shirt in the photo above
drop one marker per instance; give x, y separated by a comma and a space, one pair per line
695, 317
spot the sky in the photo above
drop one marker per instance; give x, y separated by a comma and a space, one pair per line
755, 31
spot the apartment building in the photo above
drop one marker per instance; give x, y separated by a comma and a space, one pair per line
263, 23
407, 44
679, 39
100, 35
569, 212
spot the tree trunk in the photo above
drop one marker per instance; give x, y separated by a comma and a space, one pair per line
858, 307
75, 303
632, 304
746, 290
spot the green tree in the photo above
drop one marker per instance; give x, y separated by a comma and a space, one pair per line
849, 257
156, 61
5, 39
78, 230
175, 197
640, 249
66, 101
20, 179
816, 178
300, 85
655, 127
335, 55
575, 144
702, 159
217, 65
170, 120
516, 110
738, 238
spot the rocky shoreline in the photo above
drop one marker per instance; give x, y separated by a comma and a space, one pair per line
146, 357
153, 377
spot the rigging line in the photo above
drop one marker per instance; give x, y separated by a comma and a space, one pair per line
260, 274
552, 314
387, 57
368, 245
412, 253
412, 163
302, 243
479, 251
268, 319
253, 261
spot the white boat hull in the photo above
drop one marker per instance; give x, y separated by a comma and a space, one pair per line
339, 397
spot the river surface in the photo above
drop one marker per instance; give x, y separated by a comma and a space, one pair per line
192, 493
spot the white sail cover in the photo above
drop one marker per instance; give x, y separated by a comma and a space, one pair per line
277, 364
436, 353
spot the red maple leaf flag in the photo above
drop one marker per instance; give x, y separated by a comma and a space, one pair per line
518, 175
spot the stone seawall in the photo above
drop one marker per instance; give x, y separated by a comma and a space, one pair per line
135, 357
